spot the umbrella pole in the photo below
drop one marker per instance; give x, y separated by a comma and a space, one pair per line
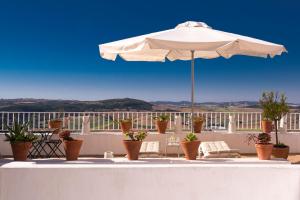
193, 88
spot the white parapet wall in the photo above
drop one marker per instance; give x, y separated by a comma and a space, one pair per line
148, 179
97, 143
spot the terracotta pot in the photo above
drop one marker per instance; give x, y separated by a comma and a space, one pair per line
264, 151
162, 126
132, 149
190, 149
280, 152
126, 126
20, 150
266, 126
197, 126
55, 124
72, 149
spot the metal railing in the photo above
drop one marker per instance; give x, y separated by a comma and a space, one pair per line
105, 121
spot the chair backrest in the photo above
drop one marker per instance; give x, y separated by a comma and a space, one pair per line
214, 146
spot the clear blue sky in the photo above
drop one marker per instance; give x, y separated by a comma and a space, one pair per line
49, 49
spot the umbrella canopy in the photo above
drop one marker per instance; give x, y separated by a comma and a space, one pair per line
177, 44
188, 41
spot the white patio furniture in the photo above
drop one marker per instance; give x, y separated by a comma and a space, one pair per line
172, 141
217, 149
149, 149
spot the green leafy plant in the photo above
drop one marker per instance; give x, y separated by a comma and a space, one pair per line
19, 133
162, 118
139, 136
262, 138
274, 108
190, 137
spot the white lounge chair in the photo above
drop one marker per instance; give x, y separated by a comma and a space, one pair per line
217, 149
149, 149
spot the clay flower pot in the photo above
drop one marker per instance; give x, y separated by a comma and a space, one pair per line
162, 126
20, 150
197, 126
55, 124
72, 149
264, 151
132, 149
126, 126
266, 126
280, 152
190, 149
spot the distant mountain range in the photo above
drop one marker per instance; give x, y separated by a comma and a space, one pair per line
45, 105
125, 104
210, 104
241, 104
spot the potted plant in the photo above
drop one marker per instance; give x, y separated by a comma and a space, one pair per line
55, 123
197, 123
126, 124
262, 145
72, 146
133, 143
20, 140
190, 146
162, 123
274, 108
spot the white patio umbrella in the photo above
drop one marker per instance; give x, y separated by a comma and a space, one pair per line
188, 41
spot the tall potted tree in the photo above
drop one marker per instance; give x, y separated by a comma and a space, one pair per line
262, 145
274, 108
190, 146
162, 123
133, 143
20, 140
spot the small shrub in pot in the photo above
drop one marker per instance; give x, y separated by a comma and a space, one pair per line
20, 140
197, 123
262, 145
133, 143
162, 123
72, 146
190, 146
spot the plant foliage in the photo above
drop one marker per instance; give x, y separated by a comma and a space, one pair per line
19, 133
162, 118
190, 137
126, 120
68, 138
262, 138
274, 108
139, 136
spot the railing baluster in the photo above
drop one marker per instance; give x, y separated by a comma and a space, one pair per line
101, 121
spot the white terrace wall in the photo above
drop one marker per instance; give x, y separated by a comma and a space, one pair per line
96, 144
148, 181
